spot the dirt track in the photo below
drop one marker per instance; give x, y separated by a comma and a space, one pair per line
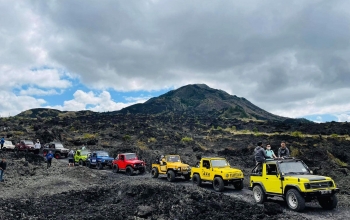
33, 192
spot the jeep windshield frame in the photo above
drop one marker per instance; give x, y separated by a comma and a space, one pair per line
102, 154
130, 157
173, 158
293, 168
219, 163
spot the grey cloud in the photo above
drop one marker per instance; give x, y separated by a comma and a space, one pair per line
271, 52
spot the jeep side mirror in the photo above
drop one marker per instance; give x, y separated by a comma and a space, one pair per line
311, 172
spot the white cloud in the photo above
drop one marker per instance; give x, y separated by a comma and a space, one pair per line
343, 117
12, 104
96, 102
40, 92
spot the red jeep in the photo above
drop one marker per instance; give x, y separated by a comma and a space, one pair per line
24, 145
129, 163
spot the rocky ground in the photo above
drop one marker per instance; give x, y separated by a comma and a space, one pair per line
31, 191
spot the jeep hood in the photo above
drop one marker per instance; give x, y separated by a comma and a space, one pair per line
307, 178
227, 170
105, 158
134, 161
178, 164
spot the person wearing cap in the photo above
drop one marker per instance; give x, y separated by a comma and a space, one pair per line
270, 152
260, 154
49, 157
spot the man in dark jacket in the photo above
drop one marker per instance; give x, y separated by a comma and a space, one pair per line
260, 154
2, 169
283, 151
2, 141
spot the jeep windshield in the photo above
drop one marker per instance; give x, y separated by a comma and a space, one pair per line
219, 163
130, 156
294, 167
102, 154
28, 143
58, 146
173, 158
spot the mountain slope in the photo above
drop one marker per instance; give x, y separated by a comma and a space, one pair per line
200, 99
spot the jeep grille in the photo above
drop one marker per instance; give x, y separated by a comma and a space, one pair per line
234, 175
321, 185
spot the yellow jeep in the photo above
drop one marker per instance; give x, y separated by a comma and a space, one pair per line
217, 171
292, 180
172, 166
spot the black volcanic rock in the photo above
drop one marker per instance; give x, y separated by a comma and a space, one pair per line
199, 99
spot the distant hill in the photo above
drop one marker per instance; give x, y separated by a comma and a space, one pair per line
200, 99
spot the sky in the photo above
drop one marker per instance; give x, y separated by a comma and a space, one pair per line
289, 58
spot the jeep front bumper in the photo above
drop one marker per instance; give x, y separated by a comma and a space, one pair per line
321, 192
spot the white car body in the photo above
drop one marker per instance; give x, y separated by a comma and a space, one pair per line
8, 145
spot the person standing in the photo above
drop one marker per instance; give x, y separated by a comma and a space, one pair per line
283, 151
260, 154
2, 141
3, 165
71, 158
37, 146
49, 157
270, 152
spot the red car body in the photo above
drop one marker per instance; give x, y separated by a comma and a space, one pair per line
25, 145
129, 163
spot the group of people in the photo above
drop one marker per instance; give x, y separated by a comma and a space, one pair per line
261, 154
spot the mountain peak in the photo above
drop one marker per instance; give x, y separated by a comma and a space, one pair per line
200, 99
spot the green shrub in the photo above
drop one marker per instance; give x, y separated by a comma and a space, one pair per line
233, 128
255, 129
152, 139
186, 139
219, 128
334, 135
295, 152
126, 137
89, 136
297, 134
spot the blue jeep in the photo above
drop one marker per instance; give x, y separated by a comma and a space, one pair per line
99, 159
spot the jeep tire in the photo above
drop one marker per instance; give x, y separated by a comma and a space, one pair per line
328, 203
115, 168
88, 164
259, 194
170, 175
197, 180
129, 171
294, 200
187, 177
81, 163
218, 184
57, 155
238, 185
99, 166
154, 172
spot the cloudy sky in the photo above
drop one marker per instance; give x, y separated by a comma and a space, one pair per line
289, 58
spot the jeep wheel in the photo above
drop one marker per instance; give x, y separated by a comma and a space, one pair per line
197, 180
154, 172
142, 170
328, 203
129, 171
259, 194
57, 155
81, 163
187, 177
88, 164
294, 200
170, 175
218, 184
238, 185
115, 168
99, 166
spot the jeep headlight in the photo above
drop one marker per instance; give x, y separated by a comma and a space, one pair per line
179, 169
307, 185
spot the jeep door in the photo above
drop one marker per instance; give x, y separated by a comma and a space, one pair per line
121, 162
205, 172
272, 182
